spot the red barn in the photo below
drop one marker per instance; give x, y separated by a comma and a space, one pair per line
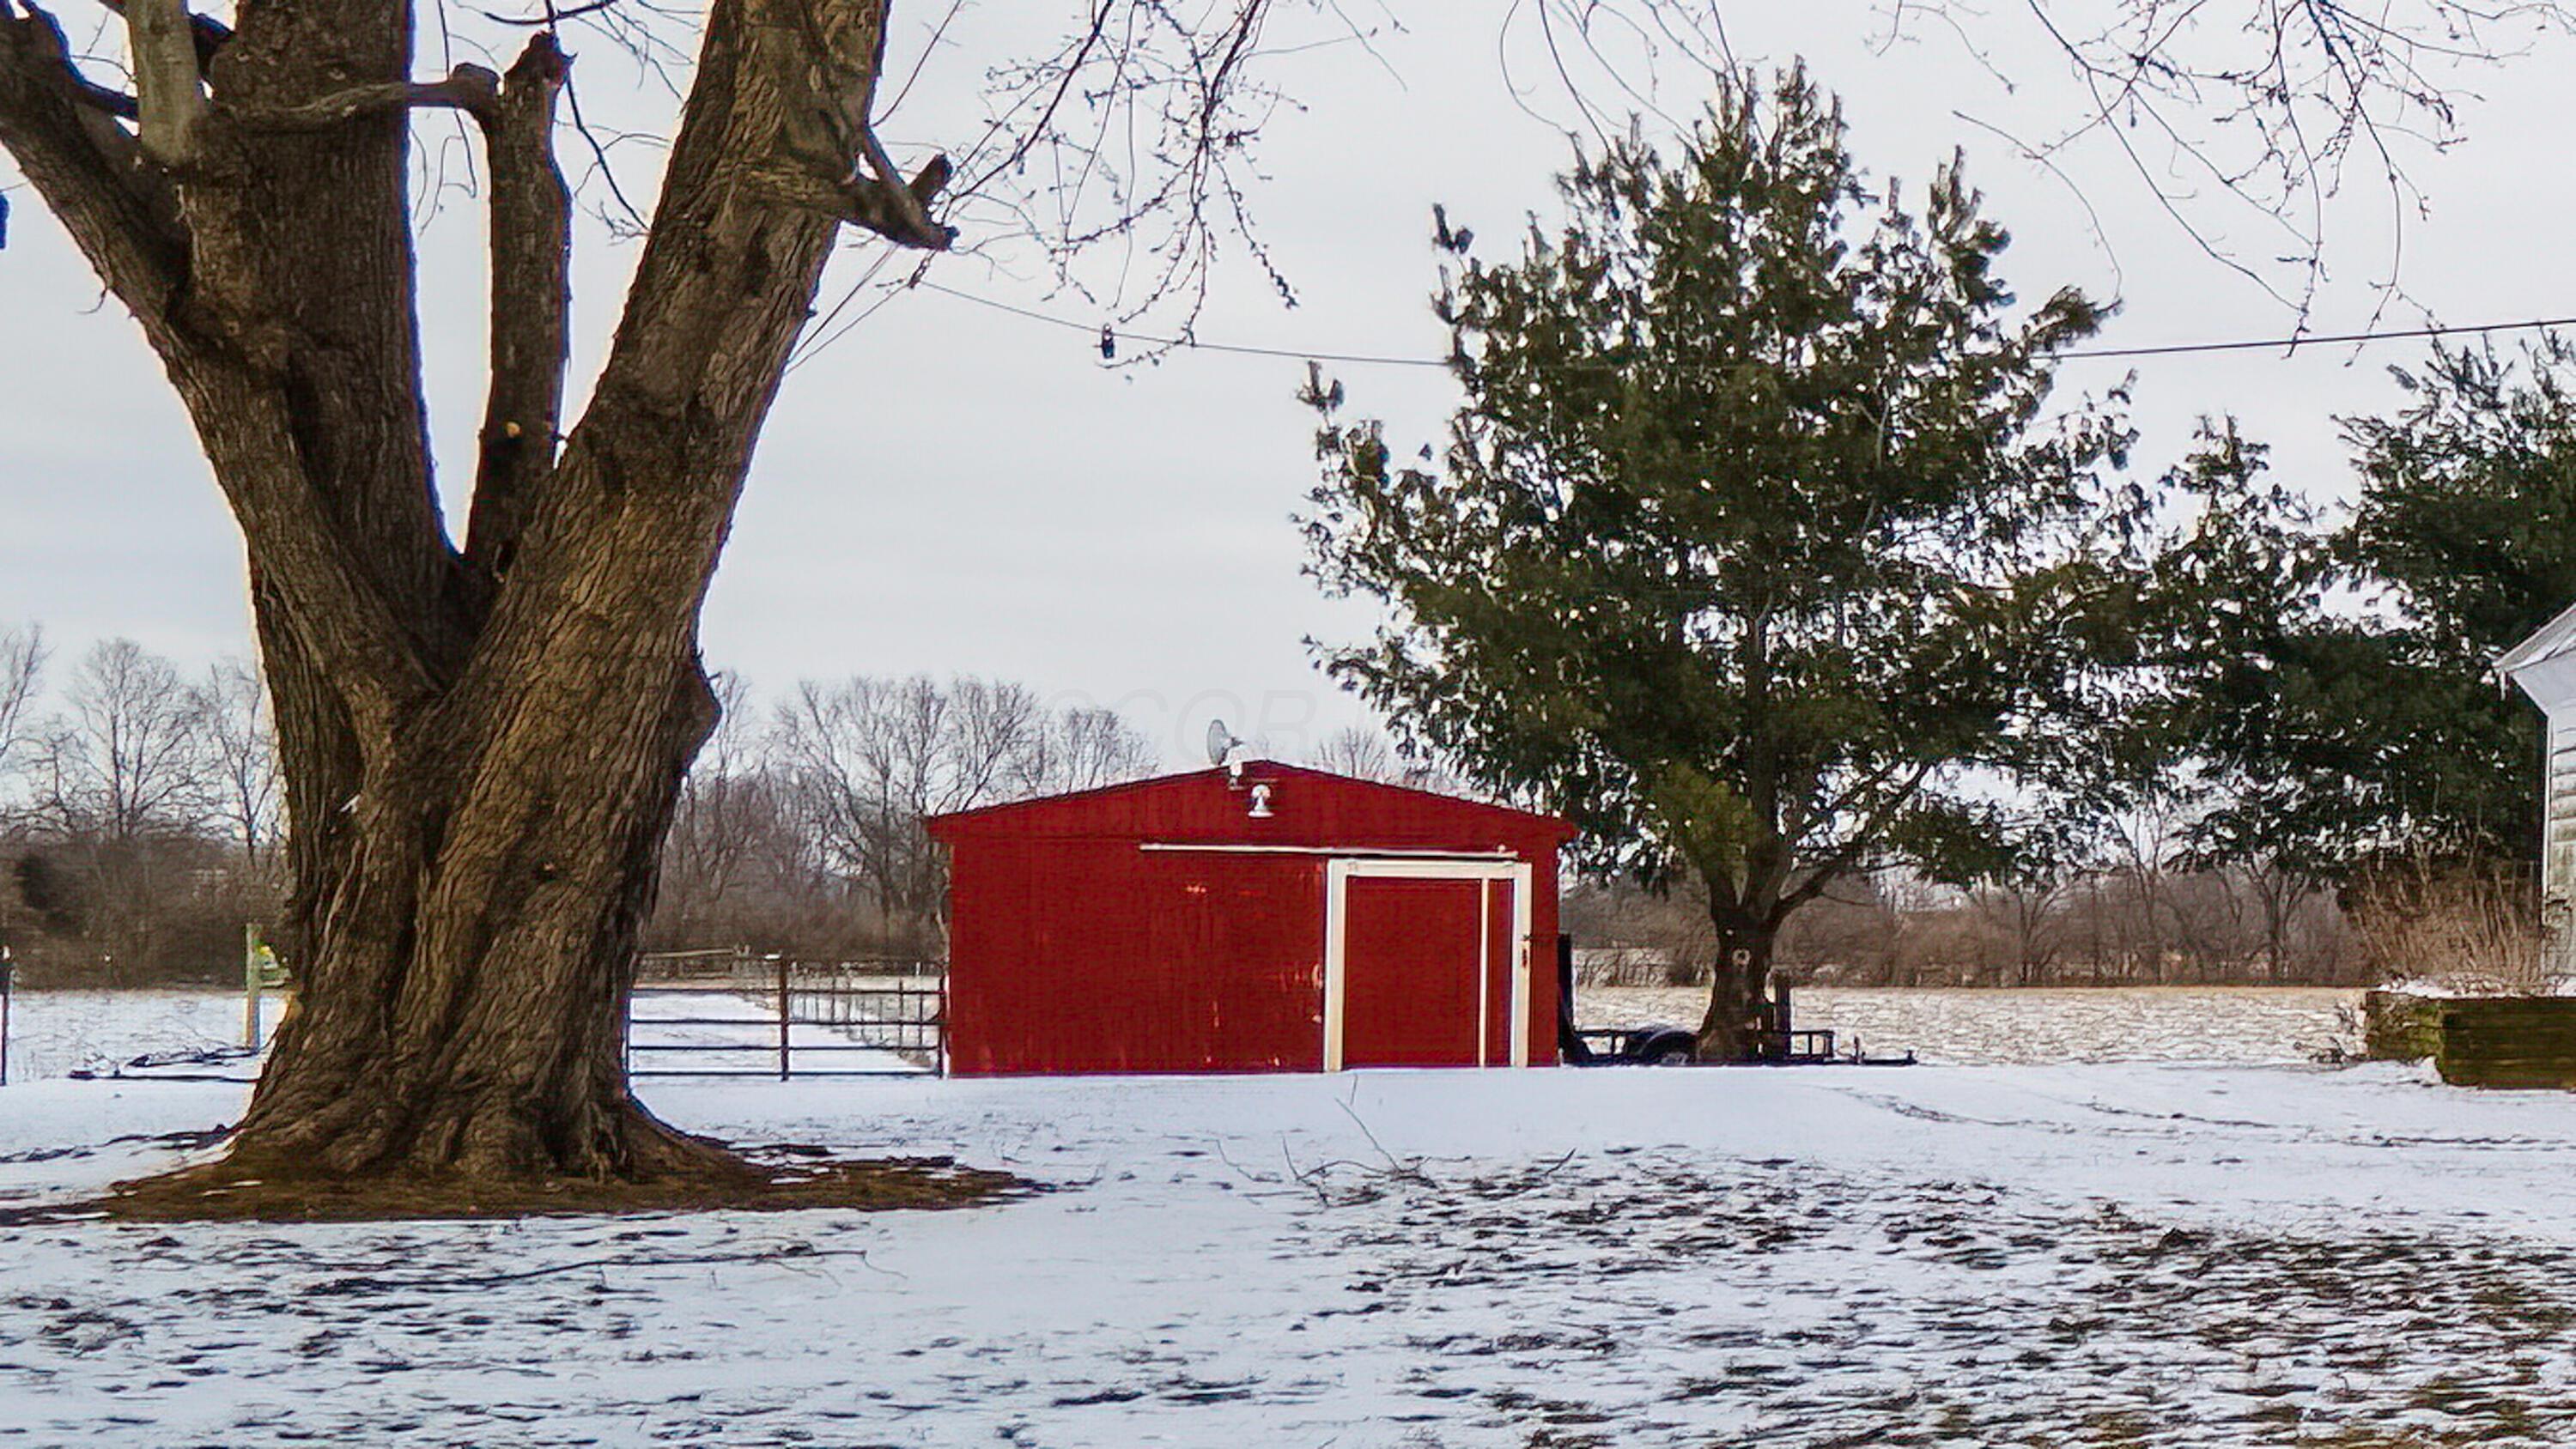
1264, 919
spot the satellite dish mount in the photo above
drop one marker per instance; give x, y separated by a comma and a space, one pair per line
1221, 746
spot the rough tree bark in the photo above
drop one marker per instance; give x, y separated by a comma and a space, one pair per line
1739, 984
482, 744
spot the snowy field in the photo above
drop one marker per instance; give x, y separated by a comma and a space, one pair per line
56, 1033
721, 1031
2256, 1024
2103, 1255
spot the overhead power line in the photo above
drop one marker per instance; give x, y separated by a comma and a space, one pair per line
2319, 339
2286, 345
1189, 343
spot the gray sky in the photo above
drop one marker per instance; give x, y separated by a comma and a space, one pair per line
953, 489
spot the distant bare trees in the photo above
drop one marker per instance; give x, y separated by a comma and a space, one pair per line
736, 851
1359, 753
145, 807
126, 756
1367, 754
142, 819
237, 748
22, 671
808, 834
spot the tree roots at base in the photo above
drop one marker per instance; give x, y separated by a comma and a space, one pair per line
772, 1180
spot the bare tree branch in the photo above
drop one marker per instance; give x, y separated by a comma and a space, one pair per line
2272, 100
89, 170
210, 34
531, 302
240, 749
167, 81
124, 759
473, 89
22, 672
114, 102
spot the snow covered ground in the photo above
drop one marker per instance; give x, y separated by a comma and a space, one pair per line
2090, 1255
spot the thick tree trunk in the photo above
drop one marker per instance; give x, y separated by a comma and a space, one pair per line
482, 744
464, 991
1740, 985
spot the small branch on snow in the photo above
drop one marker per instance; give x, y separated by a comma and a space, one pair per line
793, 1252
1410, 1170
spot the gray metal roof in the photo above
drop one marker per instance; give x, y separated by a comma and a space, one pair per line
2554, 638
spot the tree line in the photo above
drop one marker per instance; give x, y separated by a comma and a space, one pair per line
141, 824
140, 813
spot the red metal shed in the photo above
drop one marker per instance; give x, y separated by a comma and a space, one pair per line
1270, 918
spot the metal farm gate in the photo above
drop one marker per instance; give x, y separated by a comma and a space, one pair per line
734, 1014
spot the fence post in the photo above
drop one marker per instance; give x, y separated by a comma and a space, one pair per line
250, 986
8, 987
782, 1018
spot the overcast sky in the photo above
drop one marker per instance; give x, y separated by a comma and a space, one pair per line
954, 489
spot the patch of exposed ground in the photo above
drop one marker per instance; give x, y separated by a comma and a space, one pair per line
1651, 1298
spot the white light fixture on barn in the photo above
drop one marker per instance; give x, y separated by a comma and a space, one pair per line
1261, 801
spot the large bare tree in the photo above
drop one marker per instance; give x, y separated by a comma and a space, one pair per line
483, 734
22, 676
126, 758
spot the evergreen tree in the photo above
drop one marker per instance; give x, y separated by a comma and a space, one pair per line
1751, 550
2466, 535
2334, 686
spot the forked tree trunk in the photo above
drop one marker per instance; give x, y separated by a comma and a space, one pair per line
482, 744
464, 989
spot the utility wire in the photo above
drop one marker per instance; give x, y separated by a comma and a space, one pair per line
2316, 339
1191, 344
2170, 349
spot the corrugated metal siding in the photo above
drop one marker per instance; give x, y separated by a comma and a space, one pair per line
1072, 949
2558, 852
1090, 956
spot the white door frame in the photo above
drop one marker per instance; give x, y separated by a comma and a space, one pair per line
1341, 870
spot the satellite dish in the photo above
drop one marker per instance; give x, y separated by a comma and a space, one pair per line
1220, 742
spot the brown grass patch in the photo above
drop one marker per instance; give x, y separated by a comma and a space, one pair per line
224, 1192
